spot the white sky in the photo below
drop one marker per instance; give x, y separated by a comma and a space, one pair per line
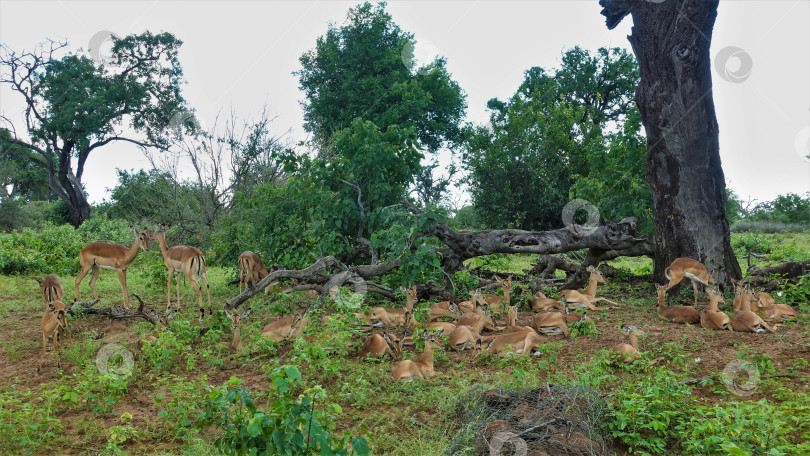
241, 55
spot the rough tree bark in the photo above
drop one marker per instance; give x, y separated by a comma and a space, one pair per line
671, 41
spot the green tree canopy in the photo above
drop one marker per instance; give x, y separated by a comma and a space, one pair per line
364, 69
75, 106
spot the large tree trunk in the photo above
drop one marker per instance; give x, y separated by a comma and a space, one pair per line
671, 41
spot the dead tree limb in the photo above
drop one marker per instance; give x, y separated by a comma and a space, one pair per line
86, 308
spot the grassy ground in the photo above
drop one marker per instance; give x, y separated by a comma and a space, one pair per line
153, 407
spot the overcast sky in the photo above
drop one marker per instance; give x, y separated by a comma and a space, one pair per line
240, 56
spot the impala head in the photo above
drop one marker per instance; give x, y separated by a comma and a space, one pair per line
236, 319
505, 283
432, 338
143, 238
597, 275
394, 342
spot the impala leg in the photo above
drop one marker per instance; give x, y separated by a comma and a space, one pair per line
169, 289
56, 348
42, 352
93, 278
122, 278
177, 289
695, 288
77, 282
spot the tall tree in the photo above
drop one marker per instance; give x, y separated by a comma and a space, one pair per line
365, 69
671, 41
75, 106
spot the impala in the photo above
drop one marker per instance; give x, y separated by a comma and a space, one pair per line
237, 320
744, 320
773, 311
186, 259
287, 327
251, 270
522, 342
511, 325
52, 320
396, 316
688, 268
541, 303
675, 314
712, 317
444, 309
421, 367
51, 288
743, 295
587, 297
551, 323
377, 345
99, 255
627, 353
499, 302
162, 322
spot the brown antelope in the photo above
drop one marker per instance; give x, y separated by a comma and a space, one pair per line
498, 303
421, 367
52, 320
582, 299
237, 320
182, 258
743, 295
51, 288
251, 270
100, 255
627, 353
688, 268
773, 312
283, 328
377, 345
511, 325
541, 303
551, 323
444, 309
712, 317
443, 326
522, 342
675, 314
389, 316
744, 320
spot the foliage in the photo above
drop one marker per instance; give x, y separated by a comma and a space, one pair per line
522, 170
288, 425
364, 69
28, 422
144, 95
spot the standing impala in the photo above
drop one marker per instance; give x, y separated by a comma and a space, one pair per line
251, 270
182, 258
99, 255
51, 288
687, 268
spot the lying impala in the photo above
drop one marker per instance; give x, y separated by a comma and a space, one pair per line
551, 323
251, 270
712, 317
287, 327
675, 314
162, 322
586, 298
499, 303
186, 259
773, 311
237, 320
99, 255
688, 268
541, 303
377, 345
52, 321
389, 316
421, 367
627, 353
522, 342
744, 320
51, 288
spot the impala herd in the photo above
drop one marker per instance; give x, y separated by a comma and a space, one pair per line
468, 325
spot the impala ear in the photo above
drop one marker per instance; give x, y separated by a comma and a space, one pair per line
246, 312
228, 314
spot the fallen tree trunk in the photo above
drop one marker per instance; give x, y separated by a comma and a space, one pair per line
86, 308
